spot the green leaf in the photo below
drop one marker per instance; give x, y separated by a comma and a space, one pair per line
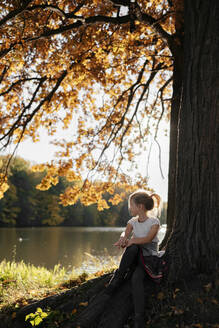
38, 320
28, 316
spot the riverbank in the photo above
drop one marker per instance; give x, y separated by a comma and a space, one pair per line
21, 283
29, 290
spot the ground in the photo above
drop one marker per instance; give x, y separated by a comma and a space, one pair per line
190, 304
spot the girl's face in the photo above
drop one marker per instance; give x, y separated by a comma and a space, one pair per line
134, 209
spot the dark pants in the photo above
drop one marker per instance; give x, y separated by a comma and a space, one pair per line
131, 262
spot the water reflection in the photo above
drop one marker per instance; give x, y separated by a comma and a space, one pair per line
65, 245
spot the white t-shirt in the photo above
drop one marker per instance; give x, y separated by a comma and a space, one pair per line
141, 229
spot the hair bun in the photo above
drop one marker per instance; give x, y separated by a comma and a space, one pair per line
158, 199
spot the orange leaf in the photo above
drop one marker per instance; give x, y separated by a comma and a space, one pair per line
13, 315
84, 304
160, 296
214, 301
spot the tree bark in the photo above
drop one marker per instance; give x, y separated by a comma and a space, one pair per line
108, 311
193, 246
113, 311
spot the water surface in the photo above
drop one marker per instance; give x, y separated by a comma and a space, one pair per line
69, 246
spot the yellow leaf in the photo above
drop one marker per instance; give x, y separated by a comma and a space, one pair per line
199, 300
13, 315
83, 304
160, 296
99, 273
214, 301
74, 311
178, 311
208, 286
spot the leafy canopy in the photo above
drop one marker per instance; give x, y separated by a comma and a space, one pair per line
86, 66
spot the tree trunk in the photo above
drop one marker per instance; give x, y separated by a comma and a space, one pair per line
194, 246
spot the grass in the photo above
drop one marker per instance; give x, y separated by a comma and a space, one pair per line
21, 282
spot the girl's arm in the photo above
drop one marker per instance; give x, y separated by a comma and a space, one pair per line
147, 239
124, 236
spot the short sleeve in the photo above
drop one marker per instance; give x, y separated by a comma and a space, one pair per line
155, 221
131, 221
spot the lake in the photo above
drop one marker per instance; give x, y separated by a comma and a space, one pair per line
68, 246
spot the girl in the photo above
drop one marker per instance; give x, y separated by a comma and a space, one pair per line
141, 255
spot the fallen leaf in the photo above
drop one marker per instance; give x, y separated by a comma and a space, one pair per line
178, 311
84, 304
214, 301
160, 296
208, 286
199, 300
13, 315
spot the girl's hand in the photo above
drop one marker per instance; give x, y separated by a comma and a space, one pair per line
117, 244
129, 242
122, 242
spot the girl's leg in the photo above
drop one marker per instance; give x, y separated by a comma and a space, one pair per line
129, 259
138, 278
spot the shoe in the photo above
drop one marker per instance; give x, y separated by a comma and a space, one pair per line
139, 320
114, 282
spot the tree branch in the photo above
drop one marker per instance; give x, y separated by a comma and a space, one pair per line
106, 19
29, 117
16, 12
146, 85
118, 126
20, 117
152, 22
3, 74
84, 20
47, 98
5, 51
78, 23
161, 90
18, 82
58, 10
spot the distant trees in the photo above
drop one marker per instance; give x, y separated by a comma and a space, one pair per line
24, 205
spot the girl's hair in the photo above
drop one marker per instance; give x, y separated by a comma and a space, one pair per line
149, 201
